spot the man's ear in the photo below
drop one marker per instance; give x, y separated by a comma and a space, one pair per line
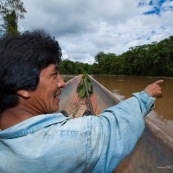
23, 93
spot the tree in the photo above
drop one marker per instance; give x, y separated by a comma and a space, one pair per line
10, 11
155, 59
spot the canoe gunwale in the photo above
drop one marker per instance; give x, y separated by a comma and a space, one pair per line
164, 138
106, 90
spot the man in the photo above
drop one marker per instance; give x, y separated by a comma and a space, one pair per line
35, 139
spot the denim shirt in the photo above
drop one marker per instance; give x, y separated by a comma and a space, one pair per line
53, 143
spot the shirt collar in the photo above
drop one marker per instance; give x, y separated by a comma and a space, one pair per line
32, 124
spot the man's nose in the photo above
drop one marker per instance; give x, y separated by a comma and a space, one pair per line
61, 82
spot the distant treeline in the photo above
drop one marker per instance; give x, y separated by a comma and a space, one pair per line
155, 59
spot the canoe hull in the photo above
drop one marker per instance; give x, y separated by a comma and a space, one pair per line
100, 99
150, 154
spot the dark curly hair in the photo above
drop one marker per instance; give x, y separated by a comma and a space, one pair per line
21, 59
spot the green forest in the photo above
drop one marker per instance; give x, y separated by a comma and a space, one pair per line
155, 59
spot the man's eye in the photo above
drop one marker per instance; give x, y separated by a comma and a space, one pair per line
55, 75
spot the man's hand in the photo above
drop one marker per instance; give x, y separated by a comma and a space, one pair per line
154, 89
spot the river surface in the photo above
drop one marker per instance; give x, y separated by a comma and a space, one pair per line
126, 85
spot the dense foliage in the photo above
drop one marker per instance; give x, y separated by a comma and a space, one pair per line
10, 11
155, 59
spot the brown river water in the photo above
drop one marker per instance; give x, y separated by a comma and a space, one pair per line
124, 86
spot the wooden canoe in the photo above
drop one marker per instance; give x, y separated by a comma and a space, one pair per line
154, 150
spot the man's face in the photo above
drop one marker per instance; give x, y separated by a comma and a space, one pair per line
45, 98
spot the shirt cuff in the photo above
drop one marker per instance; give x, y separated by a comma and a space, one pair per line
146, 99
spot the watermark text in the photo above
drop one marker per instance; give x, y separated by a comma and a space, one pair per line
165, 167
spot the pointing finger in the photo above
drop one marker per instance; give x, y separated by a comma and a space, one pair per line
159, 82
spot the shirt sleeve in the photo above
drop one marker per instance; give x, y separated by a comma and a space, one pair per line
115, 132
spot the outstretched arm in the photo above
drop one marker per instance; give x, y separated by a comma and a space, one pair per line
118, 128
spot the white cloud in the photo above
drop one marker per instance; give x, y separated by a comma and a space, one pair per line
83, 28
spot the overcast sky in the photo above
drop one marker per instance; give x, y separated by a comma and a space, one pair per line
86, 27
